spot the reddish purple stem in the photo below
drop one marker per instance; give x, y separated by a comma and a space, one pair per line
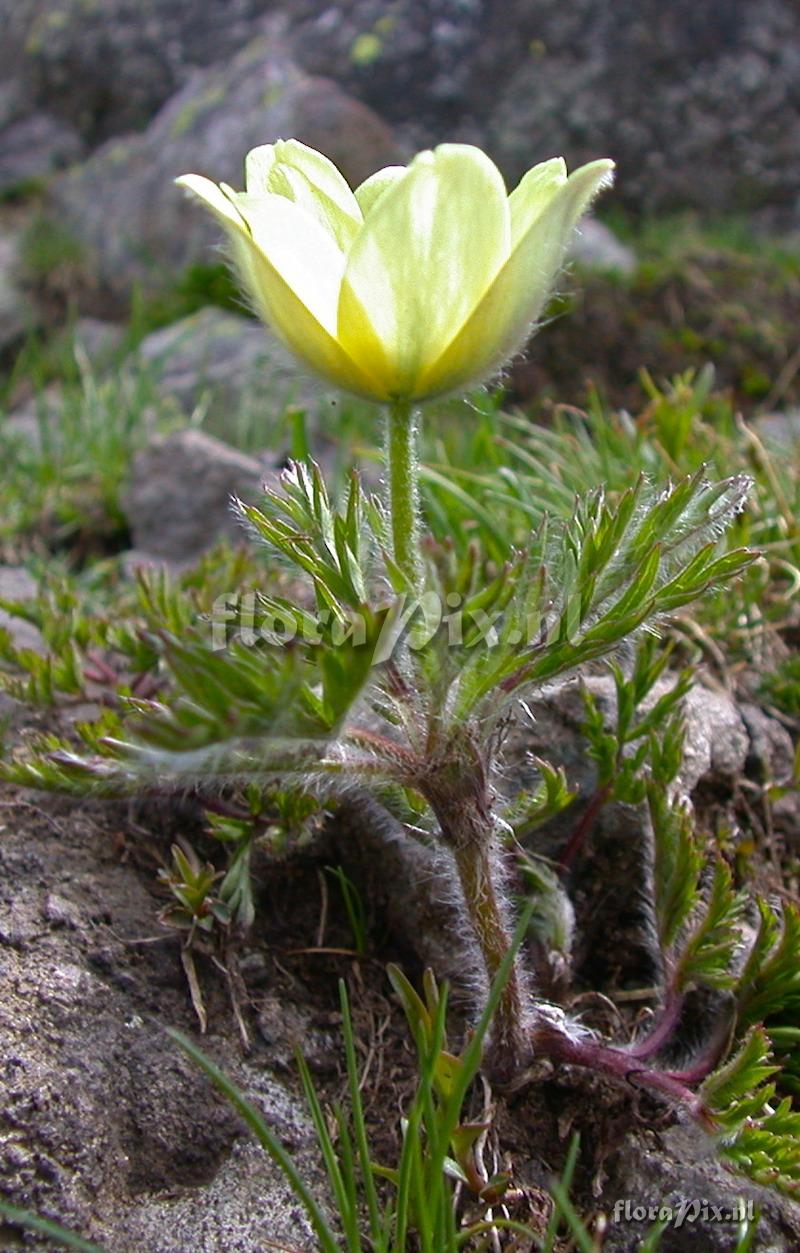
583, 828
617, 1063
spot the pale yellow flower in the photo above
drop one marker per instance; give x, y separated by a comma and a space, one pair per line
424, 280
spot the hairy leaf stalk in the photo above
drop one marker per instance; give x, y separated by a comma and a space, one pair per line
621, 1065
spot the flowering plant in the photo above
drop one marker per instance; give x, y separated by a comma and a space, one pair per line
421, 282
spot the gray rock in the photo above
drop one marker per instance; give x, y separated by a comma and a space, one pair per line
717, 740
589, 79
525, 80
33, 148
135, 559
178, 500
245, 1203
596, 247
137, 227
58, 911
106, 68
106, 1125
35, 422
772, 748
219, 361
17, 316
413, 62
715, 749
13, 102
771, 761
16, 584
24, 422
679, 1167
612, 871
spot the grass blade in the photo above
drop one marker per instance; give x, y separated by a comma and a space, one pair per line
580, 1235
345, 1200
44, 1227
410, 1146
566, 1183
357, 1115
265, 1136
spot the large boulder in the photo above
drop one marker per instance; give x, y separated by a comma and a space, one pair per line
698, 102
32, 148
136, 227
413, 62
106, 1125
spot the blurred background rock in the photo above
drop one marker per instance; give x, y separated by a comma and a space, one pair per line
103, 102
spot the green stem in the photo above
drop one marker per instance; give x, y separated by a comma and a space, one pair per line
403, 496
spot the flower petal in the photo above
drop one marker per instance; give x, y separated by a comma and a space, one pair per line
300, 249
425, 256
533, 193
295, 325
371, 190
501, 323
298, 318
258, 165
318, 169
291, 169
294, 187
215, 199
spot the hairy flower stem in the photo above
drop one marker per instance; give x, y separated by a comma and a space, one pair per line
508, 1046
468, 831
463, 811
403, 495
